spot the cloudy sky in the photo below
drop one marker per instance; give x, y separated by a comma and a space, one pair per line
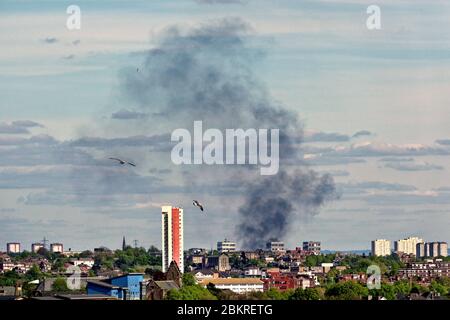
374, 106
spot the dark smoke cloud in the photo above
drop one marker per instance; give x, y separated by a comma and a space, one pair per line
273, 202
208, 74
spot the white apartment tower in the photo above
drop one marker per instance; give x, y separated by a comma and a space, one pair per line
381, 247
407, 245
13, 247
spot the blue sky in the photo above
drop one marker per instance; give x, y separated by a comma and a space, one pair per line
317, 58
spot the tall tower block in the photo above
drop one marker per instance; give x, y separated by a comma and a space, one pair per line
172, 237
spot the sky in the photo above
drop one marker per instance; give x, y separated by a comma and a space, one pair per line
374, 106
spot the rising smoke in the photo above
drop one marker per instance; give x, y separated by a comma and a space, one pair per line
207, 74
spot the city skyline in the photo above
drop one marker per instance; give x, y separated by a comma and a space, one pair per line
372, 106
219, 242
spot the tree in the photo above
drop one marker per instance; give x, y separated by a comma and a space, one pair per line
86, 254
194, 292
332, 276
439, 288
34, 273
306, 294
188, 279
275, 294
211, 287
402, 287
44, 253
387, 291
417, 288
348, 290
9, 278
60, 285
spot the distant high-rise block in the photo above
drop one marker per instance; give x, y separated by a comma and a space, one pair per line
56, 248
381, 247
226, 246
408, 245
432, 249
443, 249
312, 246
172, 237
13, 247
421, 250
275, 245
36, 246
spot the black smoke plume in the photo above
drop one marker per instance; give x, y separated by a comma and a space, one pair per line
207, 73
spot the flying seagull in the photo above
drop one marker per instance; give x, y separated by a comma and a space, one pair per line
123, 161
197, 204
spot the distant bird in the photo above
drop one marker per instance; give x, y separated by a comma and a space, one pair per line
123, 161
197, 204
137, 69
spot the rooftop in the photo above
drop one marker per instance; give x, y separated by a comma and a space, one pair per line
230, 281
167, 285
103, 284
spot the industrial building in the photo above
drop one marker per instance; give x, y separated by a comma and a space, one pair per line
124, 287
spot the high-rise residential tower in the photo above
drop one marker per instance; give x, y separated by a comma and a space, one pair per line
172, 237
381, 247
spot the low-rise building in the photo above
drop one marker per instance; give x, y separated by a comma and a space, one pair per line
19, 267
195, 259
252, 272
203, 274
71, 253
426, 270
220, 263
82, 261
250, 255
288, 280
157, 290
125, 287
281, 282
237, 285
326, 267
360, 277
